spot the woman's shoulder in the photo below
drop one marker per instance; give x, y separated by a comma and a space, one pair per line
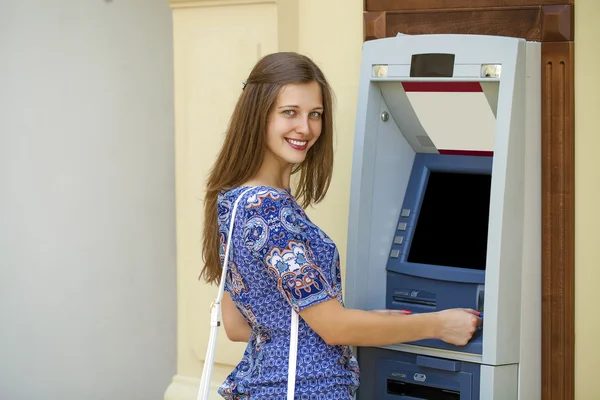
255, 197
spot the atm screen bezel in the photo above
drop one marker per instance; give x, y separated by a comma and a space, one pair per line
423, 164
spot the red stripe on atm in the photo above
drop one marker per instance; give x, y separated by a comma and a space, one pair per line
442, 87
478, 153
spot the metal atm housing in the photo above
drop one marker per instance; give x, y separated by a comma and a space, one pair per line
445, 211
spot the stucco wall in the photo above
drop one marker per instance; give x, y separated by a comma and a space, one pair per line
87, 205
587, 199
216, 44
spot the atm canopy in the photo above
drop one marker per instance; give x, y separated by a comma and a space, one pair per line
444, 117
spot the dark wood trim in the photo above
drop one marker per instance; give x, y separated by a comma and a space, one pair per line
535, 23
558, 23
558, 216
552, 23
514, 22
405, 5
374, 25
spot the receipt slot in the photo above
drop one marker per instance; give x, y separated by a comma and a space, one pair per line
445, 211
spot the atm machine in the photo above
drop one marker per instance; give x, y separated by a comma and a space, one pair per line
445, 212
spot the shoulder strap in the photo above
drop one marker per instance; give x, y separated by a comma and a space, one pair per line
215, 312
293, 356
215, 322
227, 251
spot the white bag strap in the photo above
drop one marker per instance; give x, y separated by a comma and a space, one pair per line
215, 322
293, 356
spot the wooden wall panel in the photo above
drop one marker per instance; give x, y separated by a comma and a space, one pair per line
405, 5
558, 23
535, 23
375, 25
503, 22
552, 23
558, 216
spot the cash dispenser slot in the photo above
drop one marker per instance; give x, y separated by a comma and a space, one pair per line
396, 375
414, 297
427, 303
416, 391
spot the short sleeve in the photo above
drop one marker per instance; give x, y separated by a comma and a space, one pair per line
276, 233
234, 284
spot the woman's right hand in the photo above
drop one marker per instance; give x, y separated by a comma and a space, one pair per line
456, 326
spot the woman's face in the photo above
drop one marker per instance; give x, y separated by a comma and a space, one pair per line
294, 123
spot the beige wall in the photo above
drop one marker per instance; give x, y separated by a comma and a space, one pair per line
587, 199
217, 42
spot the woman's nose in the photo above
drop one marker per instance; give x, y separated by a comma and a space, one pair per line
303, 126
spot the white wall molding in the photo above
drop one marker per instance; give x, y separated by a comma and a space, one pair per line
186, 387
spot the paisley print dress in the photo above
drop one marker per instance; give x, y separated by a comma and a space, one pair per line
280, 260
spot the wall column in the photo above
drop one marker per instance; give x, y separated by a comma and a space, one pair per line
216, 43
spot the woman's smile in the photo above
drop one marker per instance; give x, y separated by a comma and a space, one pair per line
297, 144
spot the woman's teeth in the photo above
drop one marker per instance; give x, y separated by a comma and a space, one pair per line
297, 142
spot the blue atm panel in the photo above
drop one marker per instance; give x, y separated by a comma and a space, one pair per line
393, 375
438, 255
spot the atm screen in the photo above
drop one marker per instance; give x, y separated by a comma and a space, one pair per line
452, 225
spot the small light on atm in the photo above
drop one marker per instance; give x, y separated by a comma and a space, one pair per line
491, 70
379, 71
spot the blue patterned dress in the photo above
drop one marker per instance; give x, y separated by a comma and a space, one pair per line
281, 259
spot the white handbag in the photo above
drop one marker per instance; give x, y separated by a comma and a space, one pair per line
215, 322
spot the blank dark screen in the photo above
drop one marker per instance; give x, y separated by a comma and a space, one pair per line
432, 65
452, 225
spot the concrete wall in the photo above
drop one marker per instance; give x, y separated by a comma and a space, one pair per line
87, 219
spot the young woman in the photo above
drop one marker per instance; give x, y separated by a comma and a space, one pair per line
283, 125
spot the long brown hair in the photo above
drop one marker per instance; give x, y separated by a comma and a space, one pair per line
241, 155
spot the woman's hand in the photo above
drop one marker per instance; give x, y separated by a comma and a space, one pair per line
341, 326
456, 326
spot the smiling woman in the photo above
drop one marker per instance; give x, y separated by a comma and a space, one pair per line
281, 99
282, 263
294, 127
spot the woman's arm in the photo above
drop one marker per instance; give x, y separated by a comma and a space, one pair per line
288, 238
337, 325
236, 327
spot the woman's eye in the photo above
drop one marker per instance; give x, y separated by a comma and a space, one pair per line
292, 113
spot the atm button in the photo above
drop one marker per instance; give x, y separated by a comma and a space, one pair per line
398, 239
402, 226
405, 212
395, 254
